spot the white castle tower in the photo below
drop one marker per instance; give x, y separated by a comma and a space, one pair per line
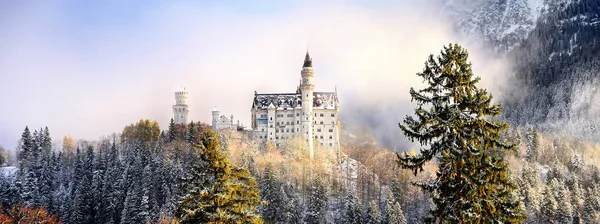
307, 88
181, 110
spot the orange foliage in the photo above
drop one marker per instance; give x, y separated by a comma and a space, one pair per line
22, 214
144, 130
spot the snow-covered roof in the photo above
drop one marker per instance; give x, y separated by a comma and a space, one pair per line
284, 101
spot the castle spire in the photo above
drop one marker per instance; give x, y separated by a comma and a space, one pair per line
307, 61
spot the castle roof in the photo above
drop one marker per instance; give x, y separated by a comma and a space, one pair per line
287, 101
307, 61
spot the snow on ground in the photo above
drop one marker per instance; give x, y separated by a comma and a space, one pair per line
8, 171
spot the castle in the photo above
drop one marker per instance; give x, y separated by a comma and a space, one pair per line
312, 115
277, 117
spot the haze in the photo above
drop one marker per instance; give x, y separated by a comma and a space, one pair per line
87, 69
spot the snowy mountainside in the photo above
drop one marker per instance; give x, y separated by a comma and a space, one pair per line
502, 24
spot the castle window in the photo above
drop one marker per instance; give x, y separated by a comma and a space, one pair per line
315, 114
271, 118
321, 137
290, 115
330, 144
288, 123
330, 137
262, 129
297, 114
277, 137
297, 122
332, 115
270, 126
330, 130
315, 122
276, 130
321, 115
277, 144
321, 122
319, 130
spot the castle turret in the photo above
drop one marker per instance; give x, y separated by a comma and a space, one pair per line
181, 110
215, 118
307, 88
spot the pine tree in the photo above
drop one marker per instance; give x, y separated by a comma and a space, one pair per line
398, 215
564, 213
83, 198
549, 206
393, 213
589, 211
372, 215
112, 187
316, 210
292, 212
218, 191
473, 182
353, 214
271, 193
172, 132
532, 144
192, 133
133, 188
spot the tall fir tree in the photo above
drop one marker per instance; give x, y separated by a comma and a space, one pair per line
353, 210
292, 211
316, 210
372, 215
172, 132
83, 197
218, 191
472, 182
549, 207
270, 192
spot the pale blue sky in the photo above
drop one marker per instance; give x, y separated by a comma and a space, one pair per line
88, 68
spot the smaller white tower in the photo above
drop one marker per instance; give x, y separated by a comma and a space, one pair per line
181, 110
215, 118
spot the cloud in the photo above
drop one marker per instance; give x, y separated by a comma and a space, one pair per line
90, 78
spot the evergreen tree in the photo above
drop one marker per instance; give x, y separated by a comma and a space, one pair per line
133, 200
473, 182
393, 213
172, 132
316, 210
218, 191
83, 198
549, 206
589, 211
112, 186
564, 213
148, 200
192, 133
353, 213
292, 212
271, 193
372, 215
532, 144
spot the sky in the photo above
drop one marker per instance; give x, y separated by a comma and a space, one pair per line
88, 68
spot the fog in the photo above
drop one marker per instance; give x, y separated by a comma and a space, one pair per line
88, 73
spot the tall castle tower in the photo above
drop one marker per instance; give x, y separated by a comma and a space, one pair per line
181, 110
307, 88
